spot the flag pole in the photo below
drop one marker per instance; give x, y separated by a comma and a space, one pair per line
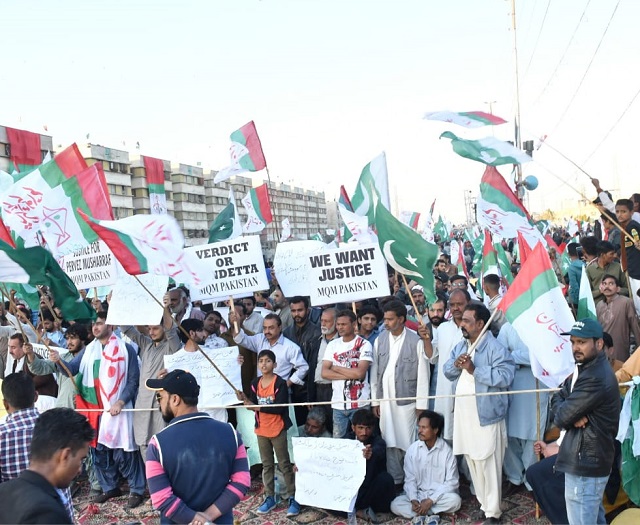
232, 306
415, 308
482, 332
190, 338
537, 432
275, 221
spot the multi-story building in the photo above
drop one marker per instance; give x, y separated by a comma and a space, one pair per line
192, 197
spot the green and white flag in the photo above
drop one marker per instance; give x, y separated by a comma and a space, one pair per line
586, 304
488, 150
538, 311
441, 229
406, 251
227, 224
373, 186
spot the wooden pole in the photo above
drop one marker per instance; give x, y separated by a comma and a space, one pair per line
415, 308
232, 308
188, 336
482, 332
537, 432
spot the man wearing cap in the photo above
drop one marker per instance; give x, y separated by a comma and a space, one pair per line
587, 410
197, 467
417, 293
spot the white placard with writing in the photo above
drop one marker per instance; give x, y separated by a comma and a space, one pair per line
330, 472
43, 351
131, 304
91, 266
235, 267
351, 273
291, 265
214, 390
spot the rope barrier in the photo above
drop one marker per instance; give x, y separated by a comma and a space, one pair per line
369, 401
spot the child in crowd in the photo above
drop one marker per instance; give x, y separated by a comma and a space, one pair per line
271, 430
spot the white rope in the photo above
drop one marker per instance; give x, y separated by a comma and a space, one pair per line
367, 401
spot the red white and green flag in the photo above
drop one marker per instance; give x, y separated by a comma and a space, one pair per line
356, 226
154, 169
256, 204
410, 218
503, 263
150, 244
40, 206
467, 119
457, 258
246, 153
538, 311
501, 211
286, 230
586, 304
24, 149
488, 150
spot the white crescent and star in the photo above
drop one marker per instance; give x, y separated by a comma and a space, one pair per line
386, 250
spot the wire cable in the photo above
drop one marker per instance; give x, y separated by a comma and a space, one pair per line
535, 46
553, 74
575, 94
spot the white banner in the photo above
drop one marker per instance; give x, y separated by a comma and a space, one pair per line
291, 265
330, 472
351, 273
132, 305
214, 390
235, 267
91, 266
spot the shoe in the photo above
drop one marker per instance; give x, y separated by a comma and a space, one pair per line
371, 516
294, 508
106, 496
418, 520
434, 519
267, 506
135, 500
491, 521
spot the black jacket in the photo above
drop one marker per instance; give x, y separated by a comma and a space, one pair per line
588, 451
30, 498
308, 339
281, 394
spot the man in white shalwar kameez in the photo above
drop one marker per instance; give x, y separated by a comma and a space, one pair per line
400, 369
438, 351
479, 429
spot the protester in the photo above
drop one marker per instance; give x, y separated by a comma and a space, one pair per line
318, 388
315, 425
181, 307
630, 255
605, 265
282, 308
399, 370
196, 467
376, 492
617, 316
271, 430
51, 334
431, 474
59, 444
369, 318
253, 320
587, 410
480, 365
345, 363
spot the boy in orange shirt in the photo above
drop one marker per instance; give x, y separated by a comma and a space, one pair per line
271, 430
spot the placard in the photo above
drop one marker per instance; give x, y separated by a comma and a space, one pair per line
350, 273
291, 265
214, 390
236, 266
131, 304
330, 472
91, 266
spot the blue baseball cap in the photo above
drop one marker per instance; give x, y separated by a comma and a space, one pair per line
586, 328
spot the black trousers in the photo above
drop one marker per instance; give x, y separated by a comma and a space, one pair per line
548, 489
377, 494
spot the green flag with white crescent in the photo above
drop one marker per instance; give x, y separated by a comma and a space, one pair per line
406, 251
227, 224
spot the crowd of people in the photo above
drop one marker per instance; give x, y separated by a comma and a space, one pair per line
429, 389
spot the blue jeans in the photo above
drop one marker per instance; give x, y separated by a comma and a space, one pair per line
342, 422
584, 499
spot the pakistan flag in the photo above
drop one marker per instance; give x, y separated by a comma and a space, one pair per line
227, 224
406, 251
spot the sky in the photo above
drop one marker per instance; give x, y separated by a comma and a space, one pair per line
332, 83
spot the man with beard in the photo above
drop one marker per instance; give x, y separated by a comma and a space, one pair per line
76, 336
197, 467
436, 313
307, 336
282, 308
181, 307
479, 430
321, 389
212, 322
253, 320
438, 350
162, 340
417, 293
